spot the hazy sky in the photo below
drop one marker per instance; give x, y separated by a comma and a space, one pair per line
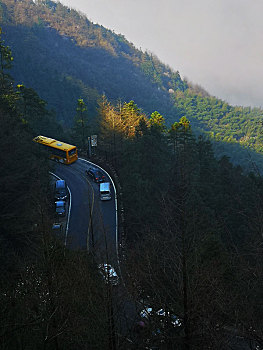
217, 44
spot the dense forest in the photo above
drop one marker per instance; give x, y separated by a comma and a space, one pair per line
45, 290
193, 229
193, 222
236, 129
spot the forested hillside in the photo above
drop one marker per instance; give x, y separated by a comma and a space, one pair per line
191, 248
64, 56
193, 229
233, 130
38, 277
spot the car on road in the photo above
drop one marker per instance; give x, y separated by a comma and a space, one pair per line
60, 208
61, 190
162, 315
109, 274
57, 227
105, 191
95, 174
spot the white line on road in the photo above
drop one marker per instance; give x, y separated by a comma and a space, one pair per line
116, 206
69, 210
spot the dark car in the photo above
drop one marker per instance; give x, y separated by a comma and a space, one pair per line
60, 208
57, 227
61, 190
95, 174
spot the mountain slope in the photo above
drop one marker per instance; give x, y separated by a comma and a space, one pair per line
63, 56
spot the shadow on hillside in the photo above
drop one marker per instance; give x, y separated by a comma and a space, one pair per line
61, 71
250, 160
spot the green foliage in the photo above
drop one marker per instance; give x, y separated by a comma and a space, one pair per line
81, 127
6, 56
6, 59
192, 225
130, 108
157, 121
33, 111
61, 53
193, 238
233, 125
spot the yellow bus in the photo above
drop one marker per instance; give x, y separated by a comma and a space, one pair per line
59, 151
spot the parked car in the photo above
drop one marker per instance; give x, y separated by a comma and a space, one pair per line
148, 312
61, 190
60, 208
95, 174
109, 274
57, 227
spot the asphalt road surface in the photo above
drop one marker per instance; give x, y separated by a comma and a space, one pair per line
92, 224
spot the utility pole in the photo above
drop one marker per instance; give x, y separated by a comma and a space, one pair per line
89, 148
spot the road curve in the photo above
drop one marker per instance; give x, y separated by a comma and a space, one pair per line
93, 223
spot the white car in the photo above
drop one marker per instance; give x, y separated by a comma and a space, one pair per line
109, 274
148, 312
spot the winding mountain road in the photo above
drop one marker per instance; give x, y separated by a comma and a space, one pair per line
92, 223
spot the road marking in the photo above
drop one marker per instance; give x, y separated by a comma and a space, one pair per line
116, 207
91, 210
69, 210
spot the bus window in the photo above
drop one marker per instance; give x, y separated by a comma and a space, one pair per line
72, 152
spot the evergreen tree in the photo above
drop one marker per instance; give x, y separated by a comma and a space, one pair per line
111, 131
6, 59
33, 111
157, 121
81, 127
